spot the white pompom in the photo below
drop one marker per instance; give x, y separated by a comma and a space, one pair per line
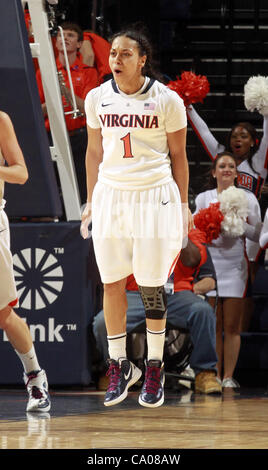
256, 94
234, 206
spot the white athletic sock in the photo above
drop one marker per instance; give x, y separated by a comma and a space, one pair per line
29, 361
155, 344
117, 346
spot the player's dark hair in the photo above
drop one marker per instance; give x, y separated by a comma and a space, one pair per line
145, 48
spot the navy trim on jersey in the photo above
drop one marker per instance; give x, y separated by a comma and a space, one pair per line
114, 86
150, 84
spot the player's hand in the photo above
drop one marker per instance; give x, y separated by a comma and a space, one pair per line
187, 221
85, 220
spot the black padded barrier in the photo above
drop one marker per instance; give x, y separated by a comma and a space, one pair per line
57, 280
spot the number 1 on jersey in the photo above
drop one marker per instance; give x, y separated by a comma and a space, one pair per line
127, 146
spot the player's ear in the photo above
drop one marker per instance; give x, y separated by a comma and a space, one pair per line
143, 60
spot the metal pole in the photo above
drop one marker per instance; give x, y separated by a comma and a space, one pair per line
75, 111
94, 15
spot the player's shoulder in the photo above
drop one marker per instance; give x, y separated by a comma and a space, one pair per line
166, 93
103, 87
96, 93
4, 116
5, 121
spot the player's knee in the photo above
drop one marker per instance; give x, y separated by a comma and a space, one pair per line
154, 301
5, 314
114, 288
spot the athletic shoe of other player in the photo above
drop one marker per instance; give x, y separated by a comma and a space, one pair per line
37, 388
122, 374
152, 393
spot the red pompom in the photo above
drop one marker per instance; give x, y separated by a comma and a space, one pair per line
190, 87
209, 221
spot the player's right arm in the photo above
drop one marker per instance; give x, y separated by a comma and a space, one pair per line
94, 156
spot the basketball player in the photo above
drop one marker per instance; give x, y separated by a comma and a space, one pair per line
13, 170
137, 180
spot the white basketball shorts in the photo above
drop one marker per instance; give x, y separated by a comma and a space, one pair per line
8, 292
137, 232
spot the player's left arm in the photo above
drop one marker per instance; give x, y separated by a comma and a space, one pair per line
16, 170
179, 165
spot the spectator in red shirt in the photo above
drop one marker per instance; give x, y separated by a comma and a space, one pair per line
95, 50
84, 78
185, 310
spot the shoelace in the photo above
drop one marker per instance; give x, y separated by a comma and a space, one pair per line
114, 374
30, 377
152, 379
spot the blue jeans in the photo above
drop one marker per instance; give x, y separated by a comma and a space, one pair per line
185, 310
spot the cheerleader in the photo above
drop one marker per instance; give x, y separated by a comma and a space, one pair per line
251, 156
264, 234
229, 258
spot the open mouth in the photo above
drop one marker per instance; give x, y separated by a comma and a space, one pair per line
237, 147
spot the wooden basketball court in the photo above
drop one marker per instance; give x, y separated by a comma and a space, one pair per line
79, 420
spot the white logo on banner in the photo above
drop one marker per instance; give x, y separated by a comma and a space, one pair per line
38, 276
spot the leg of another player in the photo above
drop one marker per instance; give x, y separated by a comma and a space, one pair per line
16, 330
35, 378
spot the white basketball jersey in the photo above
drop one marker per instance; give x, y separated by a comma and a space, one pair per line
134, 131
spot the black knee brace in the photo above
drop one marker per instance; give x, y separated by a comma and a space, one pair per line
155, 302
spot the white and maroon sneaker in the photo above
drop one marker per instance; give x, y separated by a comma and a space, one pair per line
37, 388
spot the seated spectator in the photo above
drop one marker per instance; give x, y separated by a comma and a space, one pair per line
185, 310
84, 78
